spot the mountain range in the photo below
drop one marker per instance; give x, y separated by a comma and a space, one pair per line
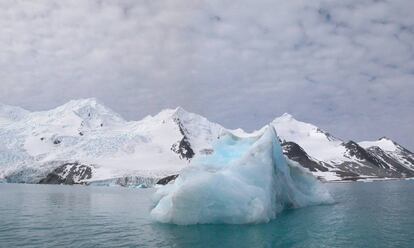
85, 142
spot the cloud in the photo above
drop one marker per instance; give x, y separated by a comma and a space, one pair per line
345, 66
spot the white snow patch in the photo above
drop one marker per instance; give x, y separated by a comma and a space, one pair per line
383, 143
313, 140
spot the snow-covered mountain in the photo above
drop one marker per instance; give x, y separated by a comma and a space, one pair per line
334, 159
86, 134
83, 141
10, 114
390, 152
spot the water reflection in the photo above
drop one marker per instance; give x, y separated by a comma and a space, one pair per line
377, 214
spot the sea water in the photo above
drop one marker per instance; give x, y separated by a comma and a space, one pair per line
376, 214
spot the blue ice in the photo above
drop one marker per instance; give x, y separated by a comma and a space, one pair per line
245, 180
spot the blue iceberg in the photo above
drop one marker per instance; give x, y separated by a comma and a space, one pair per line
245, 180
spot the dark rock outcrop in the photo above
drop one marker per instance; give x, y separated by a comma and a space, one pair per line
392, 163
183, 147
166, 180
68, 173
355, 150
135, 181
296, 153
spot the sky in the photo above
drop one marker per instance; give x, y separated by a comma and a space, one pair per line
345, 66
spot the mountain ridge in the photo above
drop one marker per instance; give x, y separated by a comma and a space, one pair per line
87, 134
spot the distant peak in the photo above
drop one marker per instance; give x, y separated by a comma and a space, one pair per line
12, 112
181, 115
179, 109
386, 139
85, 102
93, 103
181, 112
287, 115
11, 107
176, 112
87, 108
384, 143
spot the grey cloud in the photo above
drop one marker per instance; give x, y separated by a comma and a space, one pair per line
345, 66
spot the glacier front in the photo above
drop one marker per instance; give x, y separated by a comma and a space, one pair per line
244, 180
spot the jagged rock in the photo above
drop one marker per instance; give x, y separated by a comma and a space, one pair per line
182, 147
135, 181
166, 180
348, 175
69, 173
391, 162
296, 153
360, 153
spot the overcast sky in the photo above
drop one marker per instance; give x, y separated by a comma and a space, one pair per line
346, 66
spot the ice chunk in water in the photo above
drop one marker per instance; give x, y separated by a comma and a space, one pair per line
245, 180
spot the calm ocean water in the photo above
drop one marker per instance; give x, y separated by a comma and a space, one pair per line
378, 214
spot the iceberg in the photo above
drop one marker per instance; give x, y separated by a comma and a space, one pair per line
245, 180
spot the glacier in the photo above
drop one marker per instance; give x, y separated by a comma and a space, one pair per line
33, 144
243, 180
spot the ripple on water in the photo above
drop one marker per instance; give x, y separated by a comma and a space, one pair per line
378, 214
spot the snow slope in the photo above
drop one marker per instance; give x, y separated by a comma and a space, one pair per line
392, 150
87, 131
383, 143
335, 159
10, 114
47, 145
315, 141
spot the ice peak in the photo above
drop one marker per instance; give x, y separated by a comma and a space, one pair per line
6, 107
288, 119
91, 103
11, 113
287, 115
177, 112
180, 111
287, 122
391, 143
83, 102
87, 109
179, 108
384, 143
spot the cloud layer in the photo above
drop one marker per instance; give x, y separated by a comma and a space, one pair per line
345, 66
